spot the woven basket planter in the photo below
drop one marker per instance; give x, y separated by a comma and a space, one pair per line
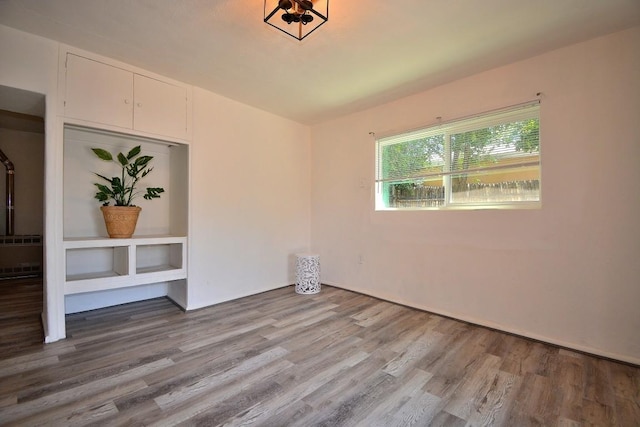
120, 220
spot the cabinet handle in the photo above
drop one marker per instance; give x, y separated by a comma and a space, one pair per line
139, 104
126, 101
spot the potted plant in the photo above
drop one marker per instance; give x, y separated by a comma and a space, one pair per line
121, 218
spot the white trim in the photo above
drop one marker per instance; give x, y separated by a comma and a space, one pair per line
208, 304
54, 273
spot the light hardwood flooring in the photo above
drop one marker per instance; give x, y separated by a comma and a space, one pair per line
280, 359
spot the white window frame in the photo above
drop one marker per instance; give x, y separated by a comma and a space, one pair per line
507, 115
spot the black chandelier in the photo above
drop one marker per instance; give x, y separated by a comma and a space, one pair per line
298, 18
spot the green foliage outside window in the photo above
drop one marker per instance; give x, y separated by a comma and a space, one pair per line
407, 165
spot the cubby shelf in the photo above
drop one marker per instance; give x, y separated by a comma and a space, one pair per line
97, 264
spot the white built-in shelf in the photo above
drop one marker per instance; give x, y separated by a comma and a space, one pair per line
92, 276
111, 105
102, 242
97, 263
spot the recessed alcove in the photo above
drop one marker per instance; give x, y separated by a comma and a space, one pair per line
154, 258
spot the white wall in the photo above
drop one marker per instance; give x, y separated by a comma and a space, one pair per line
567, 273
28, 62
250, 199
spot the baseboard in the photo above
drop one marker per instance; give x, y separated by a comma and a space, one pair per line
45, 329
176, 303
499, 327
191, 307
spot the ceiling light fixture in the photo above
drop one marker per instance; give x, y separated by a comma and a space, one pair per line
298, 18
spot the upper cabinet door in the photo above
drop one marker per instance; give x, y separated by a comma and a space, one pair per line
160, 107
98, 92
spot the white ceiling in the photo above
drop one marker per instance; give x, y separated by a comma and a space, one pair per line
369, 52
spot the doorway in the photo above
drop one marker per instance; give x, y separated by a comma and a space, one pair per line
22, 146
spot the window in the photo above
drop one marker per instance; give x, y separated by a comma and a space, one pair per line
487, 161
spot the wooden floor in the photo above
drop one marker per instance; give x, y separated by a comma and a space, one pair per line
280, 359
20, 315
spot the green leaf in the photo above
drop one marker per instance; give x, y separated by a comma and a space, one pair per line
145, 172
132, 170
103, 154
101, 197
122, 159
153, 193
142, 161
117, 186
104, 189
134, 152
104, 177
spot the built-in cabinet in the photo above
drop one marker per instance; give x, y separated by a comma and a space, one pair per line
109, 106
110, 95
